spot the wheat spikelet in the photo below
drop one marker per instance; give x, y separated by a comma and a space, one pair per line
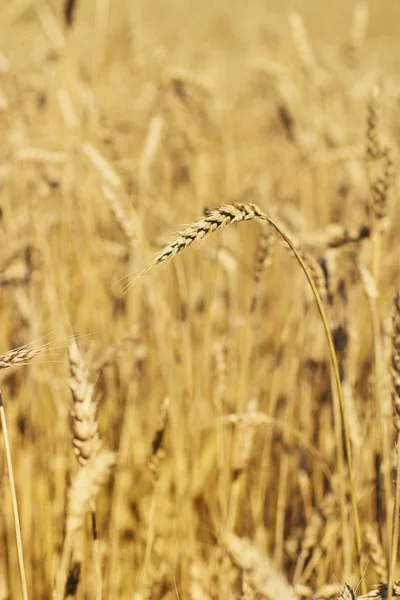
17, 357
86, 439
260, 573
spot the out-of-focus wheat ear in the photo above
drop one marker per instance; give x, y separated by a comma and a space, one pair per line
247, 591
158, 452
303, 46
358, 30
395, 378
197, 587
313, 532
241, 458
260, 573
382, 184
263, 259
155, 461
375, 552
84, 489
17, 526
373, 146
85, 428
120, 216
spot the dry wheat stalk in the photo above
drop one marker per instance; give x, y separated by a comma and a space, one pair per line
395, 370
260, 573
86, 439
395, 378
17, 526
85, 487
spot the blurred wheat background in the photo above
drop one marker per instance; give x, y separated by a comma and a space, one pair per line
177, 433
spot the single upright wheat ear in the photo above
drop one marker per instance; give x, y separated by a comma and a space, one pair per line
219, 218
86, 439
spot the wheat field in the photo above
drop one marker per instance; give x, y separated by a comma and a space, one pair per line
200, 340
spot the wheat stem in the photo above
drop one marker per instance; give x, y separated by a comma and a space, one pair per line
17, 526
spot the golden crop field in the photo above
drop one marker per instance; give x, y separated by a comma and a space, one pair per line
188, 418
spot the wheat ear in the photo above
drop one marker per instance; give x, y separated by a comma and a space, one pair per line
259, 572
86, 440
225, 215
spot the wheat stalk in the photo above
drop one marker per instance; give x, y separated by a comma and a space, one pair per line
85, 487
395, 375
17, 526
